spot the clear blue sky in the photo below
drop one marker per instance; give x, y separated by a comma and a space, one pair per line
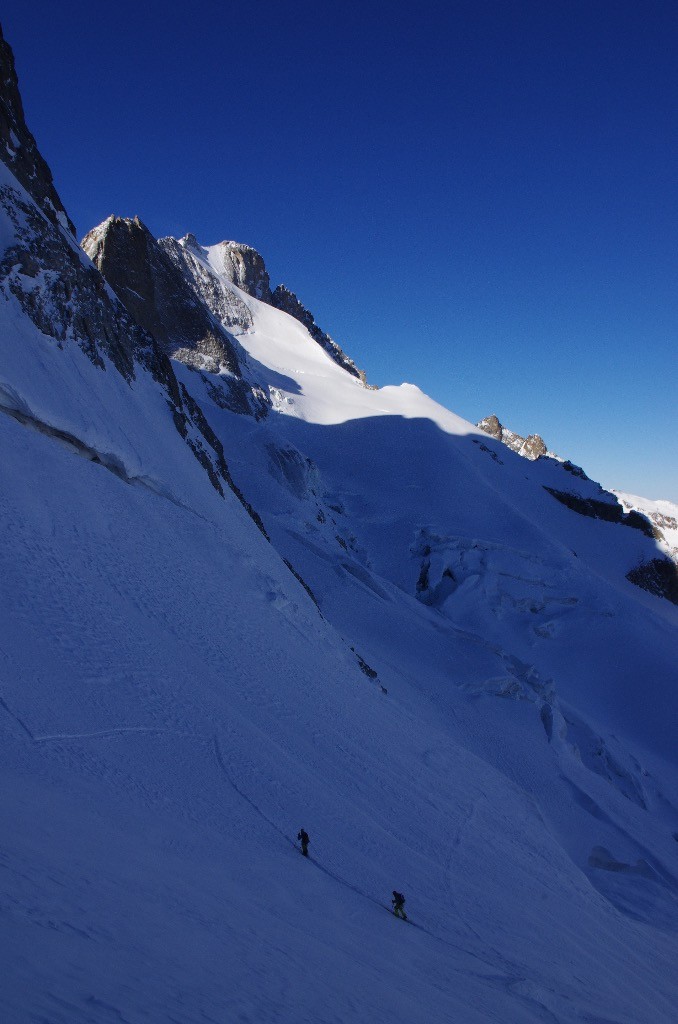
476, 197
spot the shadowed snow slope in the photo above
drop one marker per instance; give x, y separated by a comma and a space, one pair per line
434, 666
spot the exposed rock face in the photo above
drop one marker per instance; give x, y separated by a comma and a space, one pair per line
156, 294
18, 148
659, 577
282, 298
242, 265
64, 296
46, 273
492, 426
43, 267
190, 258
531, 447
610, 511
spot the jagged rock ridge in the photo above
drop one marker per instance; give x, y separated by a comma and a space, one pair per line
156, 294
244, 267
531, 447
150, 281
63, 294
284, 299
190, 258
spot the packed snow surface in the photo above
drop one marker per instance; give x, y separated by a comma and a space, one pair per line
175, 705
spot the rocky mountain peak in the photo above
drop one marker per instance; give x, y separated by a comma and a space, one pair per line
531, 447
156, 294
189, 241
19, 149
491, 426
242, 265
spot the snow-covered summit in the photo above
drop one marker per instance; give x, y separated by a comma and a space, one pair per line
233, 263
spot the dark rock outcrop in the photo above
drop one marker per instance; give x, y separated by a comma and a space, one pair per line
577, 471
65, 297
609, 511
155, 293
43, 268
658, 576
55, 286
531, 447
492, 426
285, 300
18, 148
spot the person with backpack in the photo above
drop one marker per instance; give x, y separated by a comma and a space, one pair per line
304, 840
398, 902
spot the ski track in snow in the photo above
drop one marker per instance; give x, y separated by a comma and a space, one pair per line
361, 892
99, 734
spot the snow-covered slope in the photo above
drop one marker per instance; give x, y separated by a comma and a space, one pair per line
435, 665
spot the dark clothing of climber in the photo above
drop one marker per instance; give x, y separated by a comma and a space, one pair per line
304, 840
398, 902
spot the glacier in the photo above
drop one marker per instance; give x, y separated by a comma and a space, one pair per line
327, 606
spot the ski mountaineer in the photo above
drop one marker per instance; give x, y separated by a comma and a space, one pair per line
304, 840
398, 902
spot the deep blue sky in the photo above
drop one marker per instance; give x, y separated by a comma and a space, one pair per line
476, 197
